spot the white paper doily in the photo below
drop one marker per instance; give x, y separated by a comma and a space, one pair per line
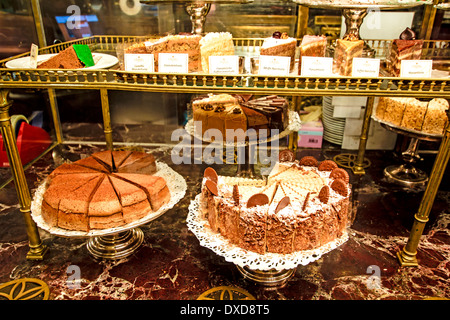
293, 125
198, 225
175, 182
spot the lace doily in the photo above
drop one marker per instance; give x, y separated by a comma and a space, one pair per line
293, 125
198, 225
175, 182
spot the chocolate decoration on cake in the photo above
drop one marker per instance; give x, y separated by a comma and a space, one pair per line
276, 35
408, 34
324, 194
212, 187
282, 204
286, 156
339, 173
340, 187
306, 201
211, 174
327, 165
309, 161
258, 199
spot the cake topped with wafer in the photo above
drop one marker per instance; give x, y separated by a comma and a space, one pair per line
302, 204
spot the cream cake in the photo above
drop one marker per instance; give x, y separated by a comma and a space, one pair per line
312, 46
301, 205
344, 53
280, 45
215, 44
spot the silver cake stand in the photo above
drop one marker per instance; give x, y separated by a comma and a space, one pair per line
197, 10
246, 167
354, 13
271, 269
120, 242
407, 174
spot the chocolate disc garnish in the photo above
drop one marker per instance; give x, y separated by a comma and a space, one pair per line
327, 165
340, 187
211, 174
286, 156
309, 161
339, 173
324, 194
282, 204
258, 199
212, 187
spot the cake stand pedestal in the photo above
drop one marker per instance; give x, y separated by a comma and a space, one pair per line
407, 174
197, 10
355, 13
119, 242
267, 278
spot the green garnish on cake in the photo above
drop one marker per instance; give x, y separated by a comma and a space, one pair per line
74, 57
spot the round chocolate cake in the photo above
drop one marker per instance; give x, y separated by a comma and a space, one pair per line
108, 189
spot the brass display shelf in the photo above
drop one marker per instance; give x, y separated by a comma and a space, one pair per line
292, 85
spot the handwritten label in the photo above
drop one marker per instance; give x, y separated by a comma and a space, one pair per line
366, 68
33, 56
416, 68
274, 65
316, 67
173, 62
139, 62
224, 64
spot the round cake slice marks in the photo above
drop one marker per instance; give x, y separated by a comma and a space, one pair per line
70, 168
92, 163
138, 162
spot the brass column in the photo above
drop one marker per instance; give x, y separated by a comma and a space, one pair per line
359, 163
37, 249
106, 119
407, 256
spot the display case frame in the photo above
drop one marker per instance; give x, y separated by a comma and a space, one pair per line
295, 86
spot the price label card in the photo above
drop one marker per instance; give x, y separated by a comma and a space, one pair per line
139, 62
316, 67
33, 56
224, 64
274, 65
416, 68
173, 62
366, 68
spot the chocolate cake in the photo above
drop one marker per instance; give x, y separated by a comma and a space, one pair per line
223, 112
74, 57
280, 44
302, 205
108, 189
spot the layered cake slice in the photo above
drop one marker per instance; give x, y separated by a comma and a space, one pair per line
280, 45
405, 48
344, 53
312, 46
74, 57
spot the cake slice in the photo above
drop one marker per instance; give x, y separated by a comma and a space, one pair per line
215, 44
404, 50
74, 57
280, 45
414, 114
344, 53
138, 162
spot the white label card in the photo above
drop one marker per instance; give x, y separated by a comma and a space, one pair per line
224, 64
316, 67
366, 68
33, 56
274, 65
139, 62
416, 68
173, 62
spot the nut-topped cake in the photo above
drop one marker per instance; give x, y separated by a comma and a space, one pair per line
302, 205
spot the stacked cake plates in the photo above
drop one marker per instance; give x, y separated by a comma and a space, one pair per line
333, 128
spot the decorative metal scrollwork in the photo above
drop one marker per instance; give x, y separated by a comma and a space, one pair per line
24, 289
